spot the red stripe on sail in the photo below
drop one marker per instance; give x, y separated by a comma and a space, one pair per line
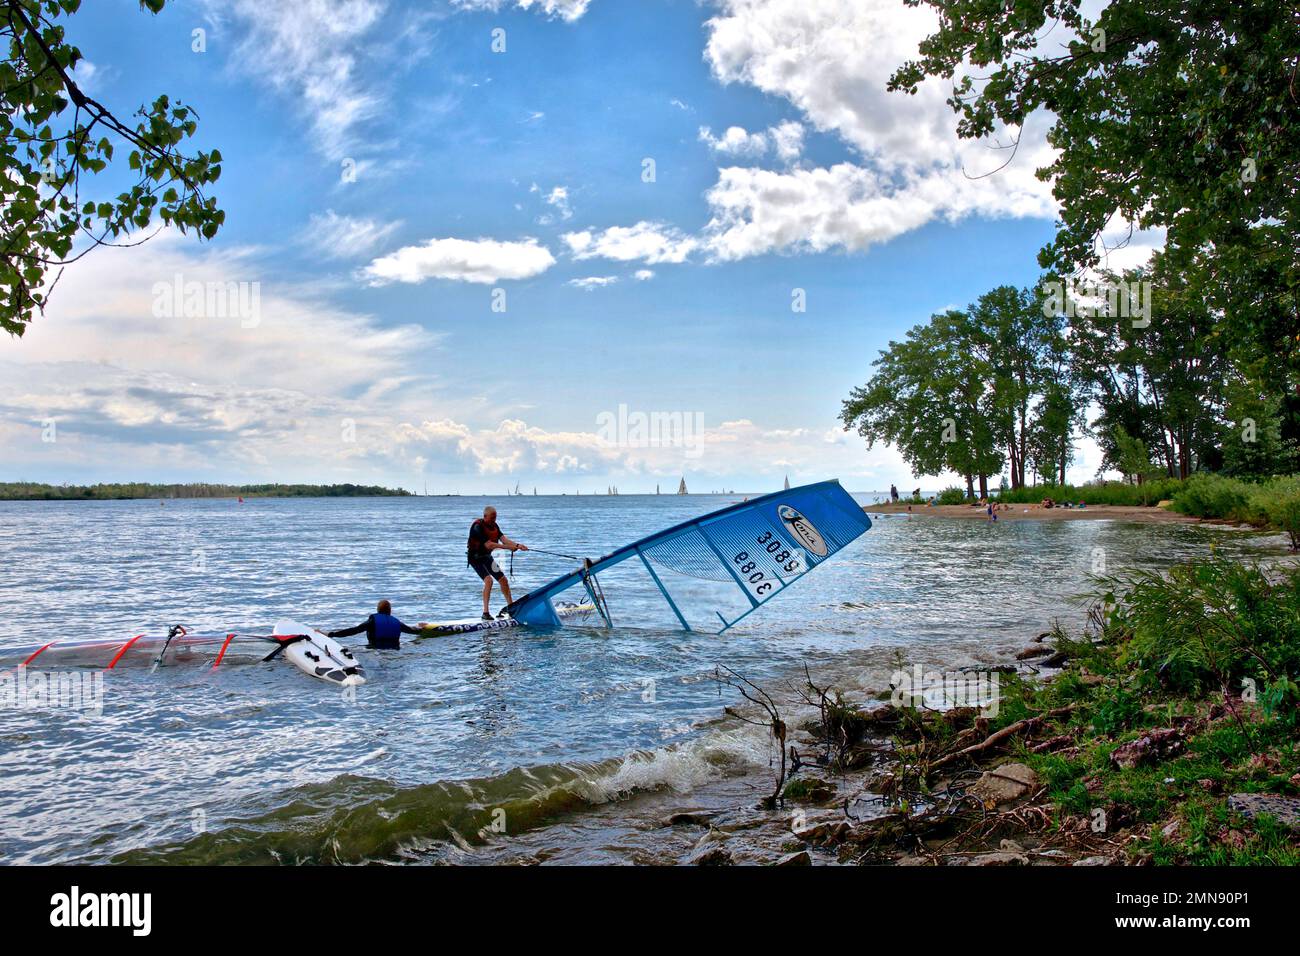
125, 647
38, 653
229, 638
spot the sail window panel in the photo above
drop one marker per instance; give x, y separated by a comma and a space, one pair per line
761, 554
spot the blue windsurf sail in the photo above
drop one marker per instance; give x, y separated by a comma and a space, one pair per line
708, 573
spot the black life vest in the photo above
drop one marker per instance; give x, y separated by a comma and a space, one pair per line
491, 533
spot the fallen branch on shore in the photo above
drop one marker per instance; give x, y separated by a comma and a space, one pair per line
1028, 725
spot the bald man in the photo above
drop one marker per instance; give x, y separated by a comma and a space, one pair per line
484, 538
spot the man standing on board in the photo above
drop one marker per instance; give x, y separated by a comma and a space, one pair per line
484, 538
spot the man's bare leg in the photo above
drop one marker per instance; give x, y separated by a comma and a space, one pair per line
487, 592
505, 589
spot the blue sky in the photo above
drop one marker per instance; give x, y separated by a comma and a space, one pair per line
780, 165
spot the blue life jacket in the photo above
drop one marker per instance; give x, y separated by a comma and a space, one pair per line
388, 632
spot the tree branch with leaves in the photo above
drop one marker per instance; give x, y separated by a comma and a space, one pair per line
53, 137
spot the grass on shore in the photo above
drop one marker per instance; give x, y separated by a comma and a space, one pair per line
1273, 503
1181, 693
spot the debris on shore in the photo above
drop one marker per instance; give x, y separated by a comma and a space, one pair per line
1137, 748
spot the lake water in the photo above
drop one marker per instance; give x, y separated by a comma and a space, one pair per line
519, 728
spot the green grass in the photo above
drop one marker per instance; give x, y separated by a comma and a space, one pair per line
1274, 502
1167, 648
1102, 493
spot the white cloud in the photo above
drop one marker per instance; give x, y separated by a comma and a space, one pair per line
137, 392
649, 242
592, 283
846, 207
642, 275
512, 447
736, 141
557, 199
309, 49
88, 76
141, 396
1122, 245
832, 60
569, 10
345, 237
465, 260
786, 140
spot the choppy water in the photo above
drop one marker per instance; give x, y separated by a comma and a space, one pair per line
519, 728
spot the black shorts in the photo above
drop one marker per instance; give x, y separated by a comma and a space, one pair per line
486, 566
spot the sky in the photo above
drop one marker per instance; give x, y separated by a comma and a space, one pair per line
565, 244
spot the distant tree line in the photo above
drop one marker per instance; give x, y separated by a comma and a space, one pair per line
32, 491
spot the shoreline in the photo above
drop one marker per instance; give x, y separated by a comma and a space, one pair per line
1036, 512
924, 787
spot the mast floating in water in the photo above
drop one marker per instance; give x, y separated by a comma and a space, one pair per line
708, 573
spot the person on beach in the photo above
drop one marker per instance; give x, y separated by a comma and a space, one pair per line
993, 511
383, 631
893, 493
484, 538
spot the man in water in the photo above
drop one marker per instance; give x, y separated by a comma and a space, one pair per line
484, 538
383, 631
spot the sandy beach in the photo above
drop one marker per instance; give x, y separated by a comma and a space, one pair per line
1035, 512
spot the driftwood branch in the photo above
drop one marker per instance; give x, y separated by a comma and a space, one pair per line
1020, 726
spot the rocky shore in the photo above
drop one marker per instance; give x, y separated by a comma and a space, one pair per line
1073, 767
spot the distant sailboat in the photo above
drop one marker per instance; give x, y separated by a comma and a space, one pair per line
787, 482
534, 491
656, 489
681, 489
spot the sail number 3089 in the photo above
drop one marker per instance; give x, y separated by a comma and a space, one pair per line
748, 568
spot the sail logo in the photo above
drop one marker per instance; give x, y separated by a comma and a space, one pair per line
803, 530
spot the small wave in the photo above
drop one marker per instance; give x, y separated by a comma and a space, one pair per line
353, 819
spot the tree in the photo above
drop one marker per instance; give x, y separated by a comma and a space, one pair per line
1157, 379
1182, 114
1132, 460
928, 398
1030, 400
51, 133
1251, 436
